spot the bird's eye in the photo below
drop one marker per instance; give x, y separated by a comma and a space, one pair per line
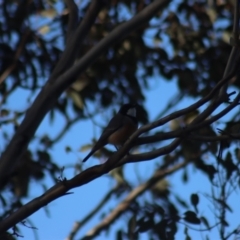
131, 112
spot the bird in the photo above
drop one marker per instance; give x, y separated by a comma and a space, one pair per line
119, 128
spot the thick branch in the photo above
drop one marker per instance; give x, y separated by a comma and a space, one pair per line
114, 161
181, 134
46, 99
53, 89
73, 17
74, 42
233, 63
174, 115
89, 174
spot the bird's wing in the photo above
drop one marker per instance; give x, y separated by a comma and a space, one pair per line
115, 123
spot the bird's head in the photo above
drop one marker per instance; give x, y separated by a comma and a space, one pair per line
129, 109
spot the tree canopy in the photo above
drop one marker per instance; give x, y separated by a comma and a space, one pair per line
75, 58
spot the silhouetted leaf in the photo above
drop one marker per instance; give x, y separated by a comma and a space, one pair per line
191, 217
224, 204
209, 169
186, 233
4, 112
205, 221
145, 225
195, 200
159, 209
230, 166
181, 201
119, 235
68, 149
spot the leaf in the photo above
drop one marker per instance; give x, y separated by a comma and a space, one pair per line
44, 30
185, 175
49, 13
172, 229
119, 235
159, 209
4, 113
3, 201
229, 165
68, 149
191, 217
85, 147
80, 84
195, 200
181, 202
186, 233
224, 204
225, 223
209, 169
77, 99
145, 225
132, 223
44, 156
205, 222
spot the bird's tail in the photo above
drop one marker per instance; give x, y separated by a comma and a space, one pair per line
97, 146
88, 156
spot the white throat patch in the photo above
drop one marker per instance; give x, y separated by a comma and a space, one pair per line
131, 112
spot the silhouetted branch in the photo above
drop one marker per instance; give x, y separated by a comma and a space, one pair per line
235, 52
116, 160
172, 102
79, 224
124, 205
181, 133
13, 65
54, 87
74, 42
73, 17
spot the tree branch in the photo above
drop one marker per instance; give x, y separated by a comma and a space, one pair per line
73, 43
124, 205
73, 17
114, 161
13, 65
233, 63
181, 134
79, 224
54, 87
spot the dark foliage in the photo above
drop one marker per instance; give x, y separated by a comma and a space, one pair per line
187, 41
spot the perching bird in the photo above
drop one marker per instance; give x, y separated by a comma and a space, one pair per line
118, 130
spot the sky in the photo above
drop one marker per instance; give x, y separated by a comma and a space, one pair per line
65, 210
57, 219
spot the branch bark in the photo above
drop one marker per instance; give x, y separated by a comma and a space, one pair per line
73, 17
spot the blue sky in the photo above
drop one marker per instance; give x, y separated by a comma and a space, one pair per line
64, 211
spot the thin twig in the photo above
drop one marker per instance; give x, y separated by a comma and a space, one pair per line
13, 65
54, 87
79, 224
124, 205
182, 132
